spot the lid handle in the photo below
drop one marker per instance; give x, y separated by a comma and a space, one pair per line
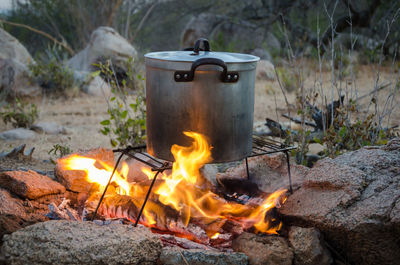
197, 44
188, 76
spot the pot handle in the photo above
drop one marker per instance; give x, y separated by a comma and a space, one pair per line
188, 76
197, 44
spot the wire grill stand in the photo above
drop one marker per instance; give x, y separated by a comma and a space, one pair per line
261, 146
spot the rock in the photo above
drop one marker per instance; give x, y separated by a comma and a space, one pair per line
29, 184
226, 32
104, 43
75, 180
265, 71
178, 256
48, 128
16, 214
308, 247
260, 128
11, 48
12, 214
264, 250
262, 53
353, 200
17, 134
66, 242
97, 87
269, 172
199, 27
11, 205
15, 80
10, 223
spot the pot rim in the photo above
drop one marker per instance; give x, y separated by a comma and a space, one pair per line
190, 57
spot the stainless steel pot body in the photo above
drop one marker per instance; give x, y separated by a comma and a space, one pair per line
222, 111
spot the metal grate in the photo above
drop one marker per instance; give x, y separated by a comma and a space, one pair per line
261, 146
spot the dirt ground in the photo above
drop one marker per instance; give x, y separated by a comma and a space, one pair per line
81, 115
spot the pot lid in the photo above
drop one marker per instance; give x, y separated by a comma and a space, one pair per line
190, 56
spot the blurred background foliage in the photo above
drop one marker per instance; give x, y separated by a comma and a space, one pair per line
158, 25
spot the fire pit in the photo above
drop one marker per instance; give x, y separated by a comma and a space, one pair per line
185, 126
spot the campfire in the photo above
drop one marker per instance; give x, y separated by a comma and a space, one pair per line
182, 202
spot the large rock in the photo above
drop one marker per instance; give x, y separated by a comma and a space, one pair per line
17, 134
92, 85
97, 87
308, 247
11, 48
75, 180
264, 250
178, 256
29, 184
269, 172
265, 71
15, 80
354, 201
104, 43
226, 32
14, 73
66, 242
200, 27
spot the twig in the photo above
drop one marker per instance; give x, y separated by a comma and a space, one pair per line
65, 45
374, 91
281, 87
143, 20
296, 120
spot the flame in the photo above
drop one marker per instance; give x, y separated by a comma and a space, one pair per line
215, 236
180, 189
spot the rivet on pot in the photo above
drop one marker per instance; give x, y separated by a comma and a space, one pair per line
178, 76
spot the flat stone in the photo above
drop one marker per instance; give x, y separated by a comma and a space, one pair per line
17, 134
29, 184
48, 128
75, 180
264, 250
67, 242
308, 247
178, 256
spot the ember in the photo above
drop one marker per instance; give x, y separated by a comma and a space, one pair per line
179, 203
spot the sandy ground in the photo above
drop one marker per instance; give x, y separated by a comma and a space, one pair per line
81, 115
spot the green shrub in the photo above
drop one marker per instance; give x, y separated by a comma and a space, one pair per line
59, 151
126, 124
19, 114
54, 77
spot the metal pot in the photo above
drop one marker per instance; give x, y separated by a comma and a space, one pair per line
187, 91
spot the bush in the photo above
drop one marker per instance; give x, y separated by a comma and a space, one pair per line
126, 124
19, 114
54, 77
59, 151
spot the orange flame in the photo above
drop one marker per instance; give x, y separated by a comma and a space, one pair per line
178, 189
